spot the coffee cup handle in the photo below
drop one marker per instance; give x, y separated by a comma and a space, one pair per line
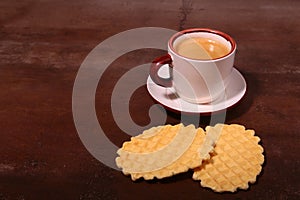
156, 65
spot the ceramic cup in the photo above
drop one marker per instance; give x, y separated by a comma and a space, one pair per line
196, 78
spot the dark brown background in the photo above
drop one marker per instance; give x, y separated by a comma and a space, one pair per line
42, 45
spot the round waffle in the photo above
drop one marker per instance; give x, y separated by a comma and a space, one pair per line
236, 160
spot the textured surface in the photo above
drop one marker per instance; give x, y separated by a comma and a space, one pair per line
42, 45
236, 160
171, 150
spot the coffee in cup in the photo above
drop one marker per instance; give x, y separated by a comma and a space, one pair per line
201, 48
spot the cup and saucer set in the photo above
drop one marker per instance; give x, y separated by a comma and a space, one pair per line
197, 75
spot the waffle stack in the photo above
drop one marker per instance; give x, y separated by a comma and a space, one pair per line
224, 158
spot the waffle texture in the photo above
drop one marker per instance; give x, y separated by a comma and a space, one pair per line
236, 160
164, 151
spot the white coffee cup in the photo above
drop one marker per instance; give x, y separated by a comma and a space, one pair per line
200, 60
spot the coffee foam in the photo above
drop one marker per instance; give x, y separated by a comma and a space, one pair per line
205, 35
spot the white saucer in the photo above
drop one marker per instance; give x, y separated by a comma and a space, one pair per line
234, 91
